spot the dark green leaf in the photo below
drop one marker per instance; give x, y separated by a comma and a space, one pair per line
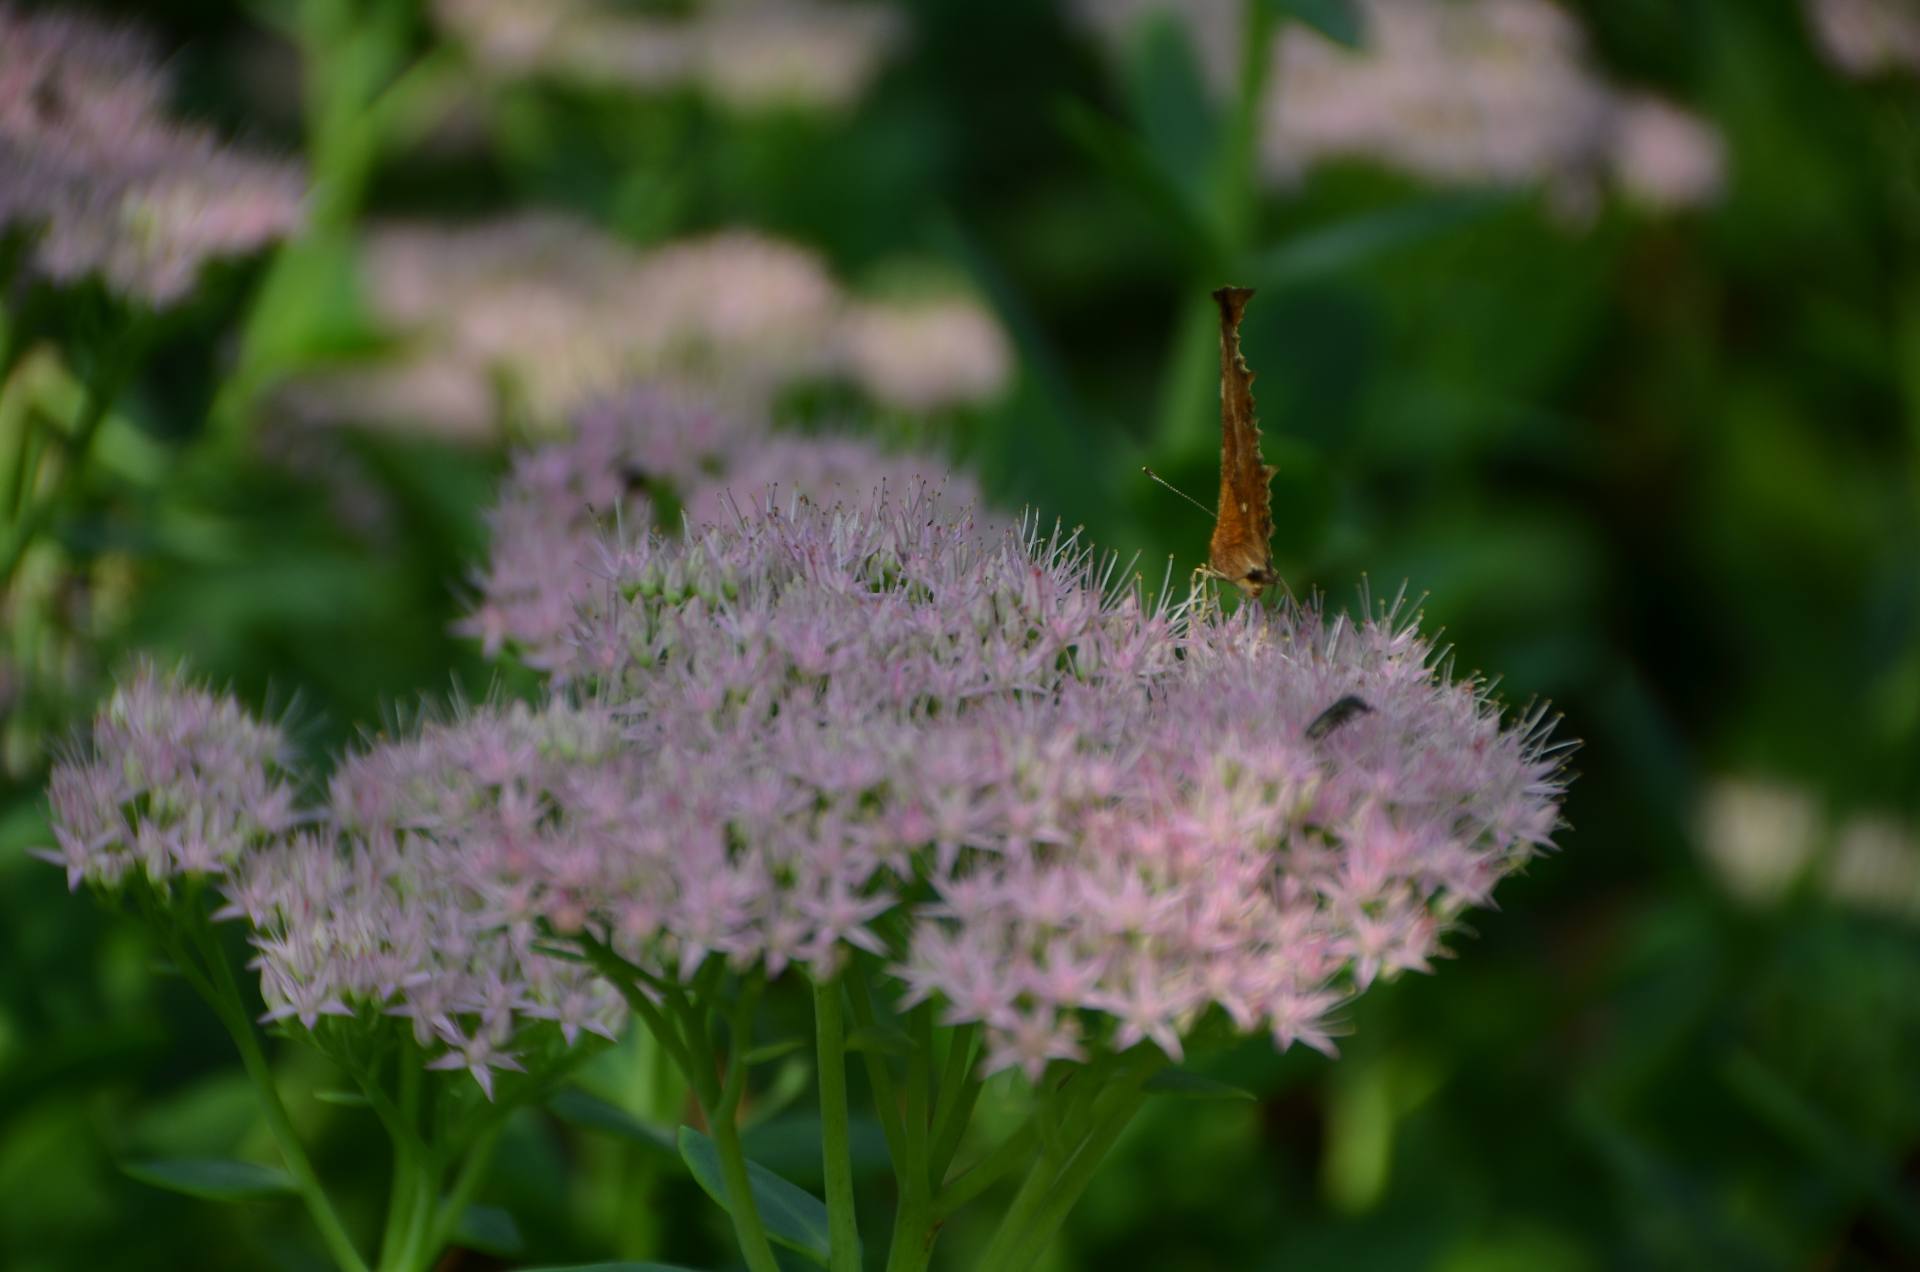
609, 1267
793, 1217
1338, 20
1186, 1084
1355, 242
489, 1230
576, 1108
1129, 164
212, 1179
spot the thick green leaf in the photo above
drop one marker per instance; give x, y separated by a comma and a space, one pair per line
793, 1217
1338, 20
1188, 1085
212, 1179
490, 1230
609, 1267
577, 1108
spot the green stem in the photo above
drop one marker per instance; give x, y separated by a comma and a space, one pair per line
747, 1228
721, 1103
401, 1121
101, 393
1237, 175
912, 1244
473, 1172
228, 1004
843, 1225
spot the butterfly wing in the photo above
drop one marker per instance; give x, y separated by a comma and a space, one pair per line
1243, 526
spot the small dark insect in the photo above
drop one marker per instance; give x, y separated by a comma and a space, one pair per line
48, 105
1335, 716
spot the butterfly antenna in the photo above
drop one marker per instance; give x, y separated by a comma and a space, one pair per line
1176, 490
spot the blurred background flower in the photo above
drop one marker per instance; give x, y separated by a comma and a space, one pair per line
104, 181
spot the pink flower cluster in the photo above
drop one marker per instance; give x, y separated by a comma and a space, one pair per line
374, 903
90, 162
639, 459
384, 907
174, 781
1072, 816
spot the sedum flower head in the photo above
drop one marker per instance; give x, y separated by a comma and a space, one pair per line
1075, 817
174, 780
92, 166
389, 904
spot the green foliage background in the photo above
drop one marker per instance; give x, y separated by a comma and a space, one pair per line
1662, 471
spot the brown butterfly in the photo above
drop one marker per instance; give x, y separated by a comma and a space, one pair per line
1243, 525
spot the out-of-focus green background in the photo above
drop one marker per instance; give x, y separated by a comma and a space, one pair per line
1661, 467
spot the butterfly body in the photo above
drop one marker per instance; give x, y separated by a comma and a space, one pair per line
1240, 551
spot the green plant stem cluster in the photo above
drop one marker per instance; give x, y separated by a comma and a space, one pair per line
924, 1081
442, 1131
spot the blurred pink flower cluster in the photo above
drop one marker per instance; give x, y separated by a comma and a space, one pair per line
105, 181
535, 315
1865, 38
1470, 92
749, 55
